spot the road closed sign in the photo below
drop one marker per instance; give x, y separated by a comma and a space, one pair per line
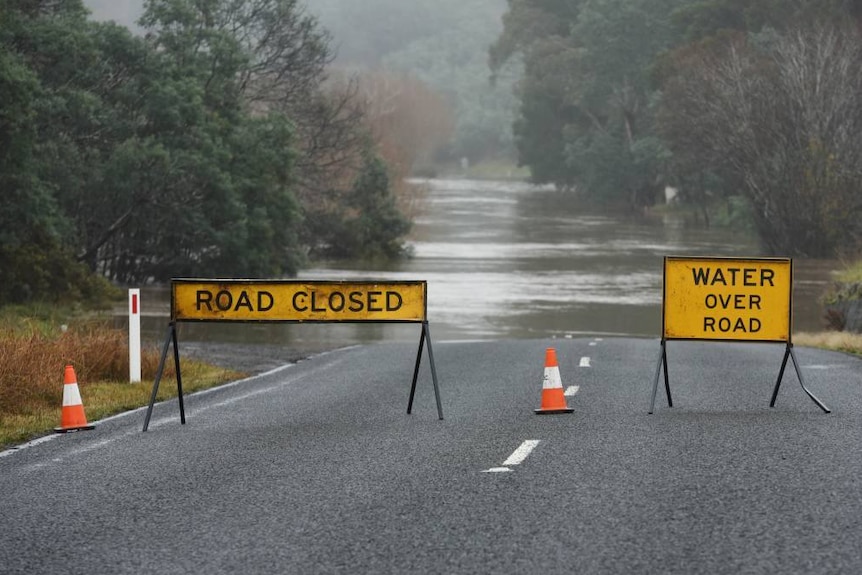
297, 301
727, 299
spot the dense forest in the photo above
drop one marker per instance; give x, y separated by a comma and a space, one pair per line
213, 144
757, 103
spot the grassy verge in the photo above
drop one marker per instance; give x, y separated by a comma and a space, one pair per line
852, 273
833, 340
105, 398
33, 356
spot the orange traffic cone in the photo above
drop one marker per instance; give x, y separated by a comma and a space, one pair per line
72, 417
553, 398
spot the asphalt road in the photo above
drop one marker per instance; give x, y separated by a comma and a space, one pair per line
317, 468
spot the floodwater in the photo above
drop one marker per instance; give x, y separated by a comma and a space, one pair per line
510, 260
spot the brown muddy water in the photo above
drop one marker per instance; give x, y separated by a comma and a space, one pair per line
509, 260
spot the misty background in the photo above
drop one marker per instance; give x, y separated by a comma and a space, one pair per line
443, 43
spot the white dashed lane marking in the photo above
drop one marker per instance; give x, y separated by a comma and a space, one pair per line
517, 457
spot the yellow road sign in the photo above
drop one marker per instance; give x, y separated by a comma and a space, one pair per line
297, 301
727, 299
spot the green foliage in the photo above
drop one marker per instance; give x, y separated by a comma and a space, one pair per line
25, 204
35, 263
378, 226
708, 18
586, 118
40, 270
369, 226
139, 159
851, 273
843, 291
736, 212
529, 23
548, 114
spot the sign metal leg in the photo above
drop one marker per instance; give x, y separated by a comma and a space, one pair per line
179, 378
662, 361
666, 379
433, 371
426, 334
789, 352
416, 370
780, 376
170, 338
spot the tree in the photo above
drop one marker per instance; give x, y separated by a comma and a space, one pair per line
178, 153
35, 234
708, 18
780, 114
539, 32
586, 116
257, 70
274, 55
369, 225
406, 118
142, 161
25, 204
200, 186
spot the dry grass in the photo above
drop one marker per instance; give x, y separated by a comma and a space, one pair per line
834, 340
32, 363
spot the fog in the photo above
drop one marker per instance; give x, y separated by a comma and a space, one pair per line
442, 43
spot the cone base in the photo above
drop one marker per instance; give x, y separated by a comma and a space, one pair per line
550, 411
71, 429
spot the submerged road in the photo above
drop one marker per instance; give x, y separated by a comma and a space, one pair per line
316, 468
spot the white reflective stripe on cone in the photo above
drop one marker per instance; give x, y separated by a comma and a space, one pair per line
552, 378
71, 394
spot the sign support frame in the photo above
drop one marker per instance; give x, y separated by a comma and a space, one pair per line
788, 353
171, 339
426, 334
662, 361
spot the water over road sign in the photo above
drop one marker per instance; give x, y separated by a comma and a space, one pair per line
727, 299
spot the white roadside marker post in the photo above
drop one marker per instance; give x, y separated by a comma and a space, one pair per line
134, 335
